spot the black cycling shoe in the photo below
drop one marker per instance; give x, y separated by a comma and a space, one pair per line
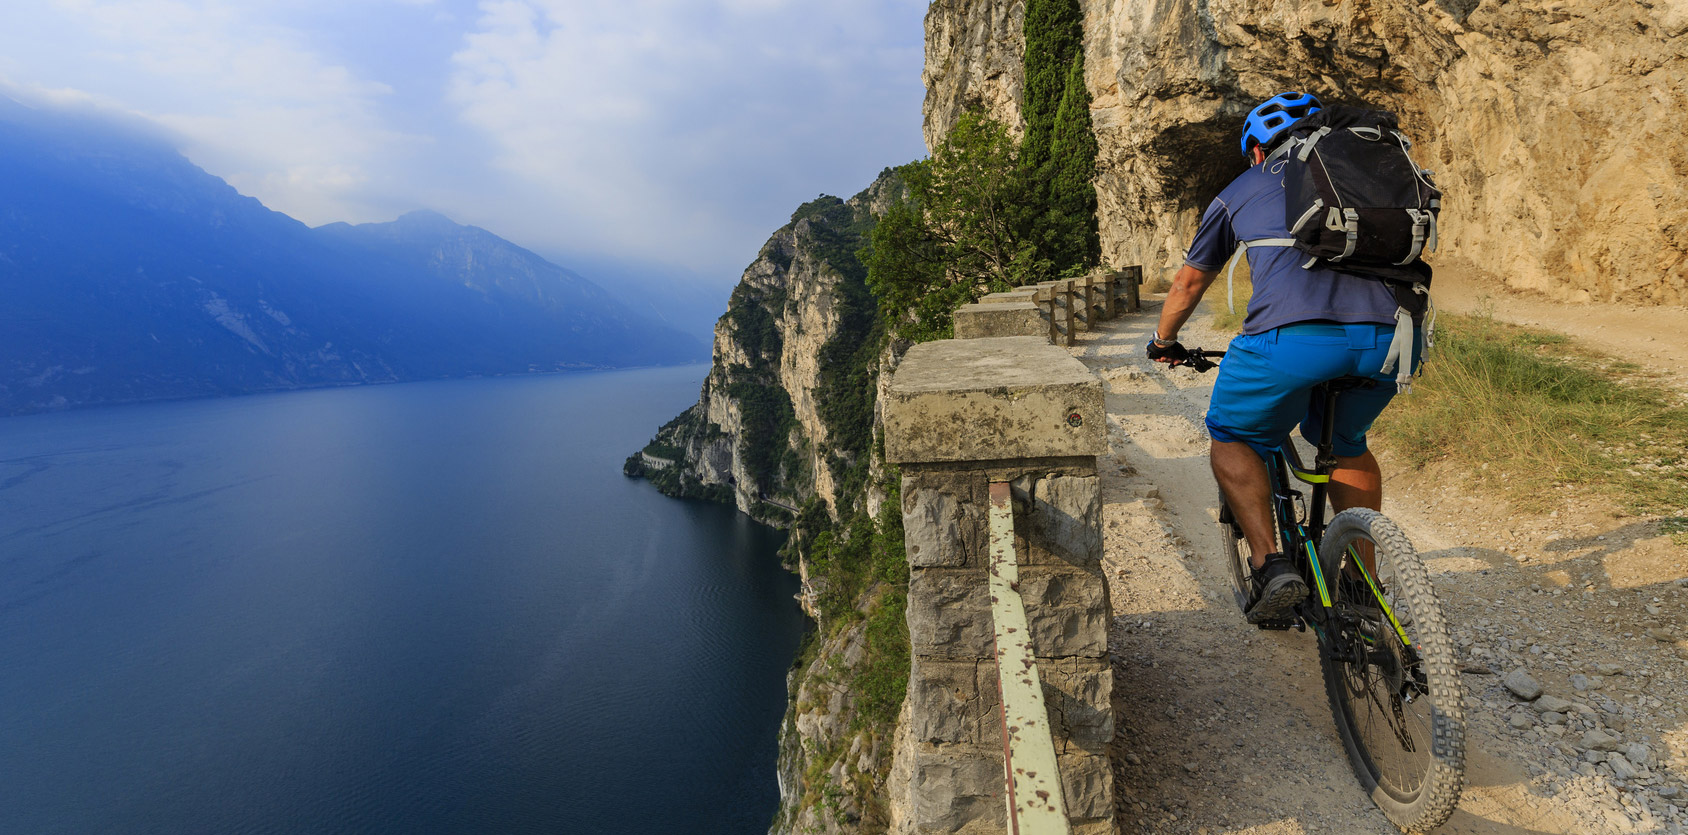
1277, 588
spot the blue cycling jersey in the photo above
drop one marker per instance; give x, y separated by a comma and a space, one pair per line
1252, 208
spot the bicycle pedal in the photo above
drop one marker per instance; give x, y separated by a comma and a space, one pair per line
1279, 625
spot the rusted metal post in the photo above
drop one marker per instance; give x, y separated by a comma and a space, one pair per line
1047, 294
1030, 770
1089, 301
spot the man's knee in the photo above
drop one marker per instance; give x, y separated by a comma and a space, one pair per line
1364, 462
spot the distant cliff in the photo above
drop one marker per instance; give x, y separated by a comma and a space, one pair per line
130, 274
1554, 127
786, 413
785, 429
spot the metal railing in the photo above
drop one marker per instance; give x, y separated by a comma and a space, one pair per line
1030, 770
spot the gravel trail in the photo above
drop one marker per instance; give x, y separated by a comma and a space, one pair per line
1223, 728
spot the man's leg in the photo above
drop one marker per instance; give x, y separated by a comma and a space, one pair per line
1357, 482
1242, 475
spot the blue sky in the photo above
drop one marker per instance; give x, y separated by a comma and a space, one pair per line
665, 132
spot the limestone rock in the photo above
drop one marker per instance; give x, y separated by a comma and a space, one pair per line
793, 288
1522, 684
1552, 127
1598, 740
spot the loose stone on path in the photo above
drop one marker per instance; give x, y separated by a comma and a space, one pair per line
1522, 684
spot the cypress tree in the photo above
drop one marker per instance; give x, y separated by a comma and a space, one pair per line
1076, 244
1054, 31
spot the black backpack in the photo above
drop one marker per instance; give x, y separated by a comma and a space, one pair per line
1354, 198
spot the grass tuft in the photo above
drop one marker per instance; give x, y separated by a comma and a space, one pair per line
1675, 527
1526, 412
1223, 319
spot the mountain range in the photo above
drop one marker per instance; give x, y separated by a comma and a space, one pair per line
127, 273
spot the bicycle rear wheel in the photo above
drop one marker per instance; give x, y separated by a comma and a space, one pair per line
1236, 554
1390, 675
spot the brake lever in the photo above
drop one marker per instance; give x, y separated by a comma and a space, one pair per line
1200, 361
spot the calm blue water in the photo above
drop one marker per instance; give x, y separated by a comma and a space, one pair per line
424, 608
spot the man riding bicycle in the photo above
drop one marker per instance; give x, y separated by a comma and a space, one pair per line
1307, 324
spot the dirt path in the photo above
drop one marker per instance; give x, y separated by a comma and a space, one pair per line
1655, 337
1224, 729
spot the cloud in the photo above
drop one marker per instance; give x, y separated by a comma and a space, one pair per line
252, 98
674, 131
693, 127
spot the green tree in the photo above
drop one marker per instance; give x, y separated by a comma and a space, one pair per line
1054, 31
959, 232
1058, 155
1076, 245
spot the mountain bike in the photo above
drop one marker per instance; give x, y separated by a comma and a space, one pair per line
1389, 668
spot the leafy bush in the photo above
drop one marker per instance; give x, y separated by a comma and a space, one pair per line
962, 230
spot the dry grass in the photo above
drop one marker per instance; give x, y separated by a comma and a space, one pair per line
1215, 300
1527, 413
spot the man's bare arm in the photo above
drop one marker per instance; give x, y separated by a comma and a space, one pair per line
1187, 289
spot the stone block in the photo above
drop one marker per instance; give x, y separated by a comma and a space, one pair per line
1087, 786
1059, 519
1026, 294
949, 613
992, 399
947, 705
1016, 318
1078, 693
958, 792
1066, 609
945, 520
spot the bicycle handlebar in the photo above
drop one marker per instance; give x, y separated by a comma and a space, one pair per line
1199, 361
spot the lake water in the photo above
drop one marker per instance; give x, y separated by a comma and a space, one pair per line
423, 608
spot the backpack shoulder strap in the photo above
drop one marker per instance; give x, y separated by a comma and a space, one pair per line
1242, 250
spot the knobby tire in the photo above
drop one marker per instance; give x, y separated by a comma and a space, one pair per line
1375, 729
1236, 554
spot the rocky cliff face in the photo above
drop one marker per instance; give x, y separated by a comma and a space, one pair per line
1554, 126
784, 429
760, 430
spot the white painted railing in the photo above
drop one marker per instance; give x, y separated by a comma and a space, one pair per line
1031, 775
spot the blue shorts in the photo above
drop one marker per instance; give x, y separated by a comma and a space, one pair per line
1266, 381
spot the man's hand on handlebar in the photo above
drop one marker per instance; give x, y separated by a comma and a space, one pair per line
1169, 352
1174, 354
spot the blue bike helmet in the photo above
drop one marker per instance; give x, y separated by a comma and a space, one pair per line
1274, 114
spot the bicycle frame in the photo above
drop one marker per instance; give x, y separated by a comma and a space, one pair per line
1300, 531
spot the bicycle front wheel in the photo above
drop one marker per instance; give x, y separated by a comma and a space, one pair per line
1390, 674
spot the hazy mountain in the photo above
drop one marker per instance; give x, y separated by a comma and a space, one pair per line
127, 273
675, 296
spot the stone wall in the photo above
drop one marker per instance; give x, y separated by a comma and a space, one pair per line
959, 415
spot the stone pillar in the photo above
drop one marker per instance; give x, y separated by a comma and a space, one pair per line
998, 318
960, 414
1020, 294
1133, 280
